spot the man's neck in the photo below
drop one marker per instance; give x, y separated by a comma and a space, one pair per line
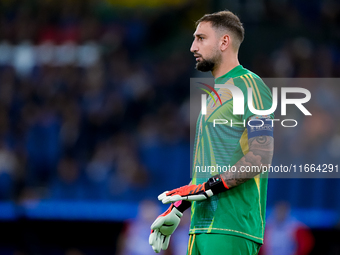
225, 67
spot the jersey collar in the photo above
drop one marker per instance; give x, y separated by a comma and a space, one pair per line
231, 73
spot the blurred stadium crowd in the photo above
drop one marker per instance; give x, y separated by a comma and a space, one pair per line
84, 115
94, 97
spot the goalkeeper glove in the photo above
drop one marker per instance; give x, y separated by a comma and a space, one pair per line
213, 186
158, 241
165, 225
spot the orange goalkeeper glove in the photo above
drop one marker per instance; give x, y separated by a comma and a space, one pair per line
199, 192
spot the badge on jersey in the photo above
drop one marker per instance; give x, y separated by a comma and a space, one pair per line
259, 125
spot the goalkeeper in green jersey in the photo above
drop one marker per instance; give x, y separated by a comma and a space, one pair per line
227, 208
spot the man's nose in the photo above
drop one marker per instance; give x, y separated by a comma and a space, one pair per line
193, 47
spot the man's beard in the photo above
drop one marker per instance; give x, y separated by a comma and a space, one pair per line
207, 65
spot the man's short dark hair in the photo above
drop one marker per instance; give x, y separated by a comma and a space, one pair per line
225, 20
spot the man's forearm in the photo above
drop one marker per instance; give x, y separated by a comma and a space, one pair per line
260, 154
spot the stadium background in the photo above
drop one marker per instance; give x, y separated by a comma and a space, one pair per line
91, 97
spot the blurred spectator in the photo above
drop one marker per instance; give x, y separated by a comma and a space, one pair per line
98, 172
68, 184
8, 171
42, 143
285, 235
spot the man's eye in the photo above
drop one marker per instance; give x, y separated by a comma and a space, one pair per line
200, 38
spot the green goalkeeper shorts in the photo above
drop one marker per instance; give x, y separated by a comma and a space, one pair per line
217, 244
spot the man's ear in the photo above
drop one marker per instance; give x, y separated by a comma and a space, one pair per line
225, 42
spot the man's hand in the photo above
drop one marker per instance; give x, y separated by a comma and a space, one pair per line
168, 221
158, 241
199, 192
166, 224
163, 227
